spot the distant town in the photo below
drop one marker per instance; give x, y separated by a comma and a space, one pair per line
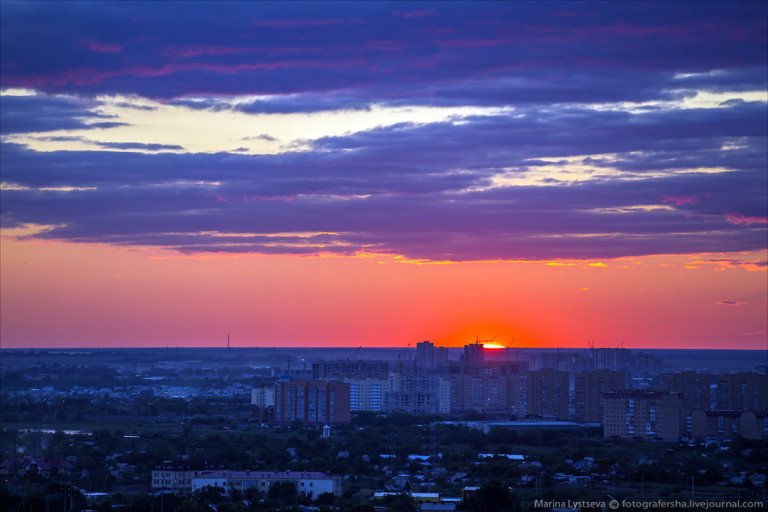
480, 427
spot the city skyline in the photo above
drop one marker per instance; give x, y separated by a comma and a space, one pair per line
382, 173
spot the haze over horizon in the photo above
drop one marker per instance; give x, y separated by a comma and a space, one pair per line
342, 174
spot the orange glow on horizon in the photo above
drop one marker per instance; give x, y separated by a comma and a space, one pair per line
88, 295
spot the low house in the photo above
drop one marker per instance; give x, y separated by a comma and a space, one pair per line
438, 507
44, 466
399, 484
459, 477
509, 456
579, 479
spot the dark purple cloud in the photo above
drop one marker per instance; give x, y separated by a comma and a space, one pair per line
20, 114
422, 190
520, 222
161, 50
139, 145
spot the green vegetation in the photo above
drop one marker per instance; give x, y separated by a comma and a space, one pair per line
119, 462
127, 428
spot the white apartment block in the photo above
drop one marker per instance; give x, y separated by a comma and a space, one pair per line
308, 483
263, 397
178, 476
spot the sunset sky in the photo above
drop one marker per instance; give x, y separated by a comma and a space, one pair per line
382, 173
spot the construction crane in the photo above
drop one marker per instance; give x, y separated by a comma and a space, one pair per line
402, 357
478, 340
507, 348
357, 352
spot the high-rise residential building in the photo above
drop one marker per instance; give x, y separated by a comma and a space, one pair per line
441, 355
693, 387
480, 385
629, 362
473, 353
263, 396
641, 414
563, 361
368, 394
445, 402
589, 388
430, 356
543, 393
311, 402
481, 380
350, 369
425, 355
642, 364
741, 391
413, 391
724, 424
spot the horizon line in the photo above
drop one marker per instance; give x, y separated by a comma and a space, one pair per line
393, 347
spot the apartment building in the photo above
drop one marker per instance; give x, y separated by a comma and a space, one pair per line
480, 385
543, 393
430, 356
308, 483
413, 391
741, 391
724, 424
263, 396
178, 476
368, 394
588, 391
350, 369
694, 388
311, 402
641, 414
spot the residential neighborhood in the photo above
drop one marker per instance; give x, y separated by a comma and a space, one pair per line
93, 428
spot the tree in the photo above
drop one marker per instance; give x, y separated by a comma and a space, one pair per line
325, 499
282, 494
252, 494
362, 507
210, 494
400, 503
491, 497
